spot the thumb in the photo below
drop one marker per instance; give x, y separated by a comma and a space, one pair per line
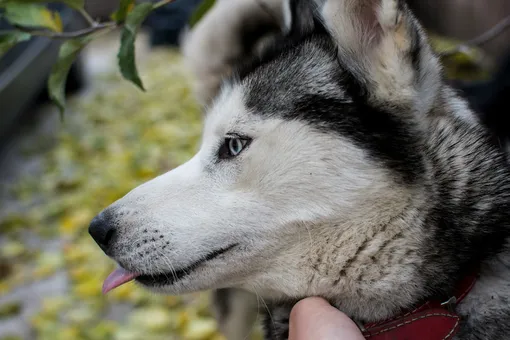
314, 318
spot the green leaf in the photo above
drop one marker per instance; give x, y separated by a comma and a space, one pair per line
202, 9
76, 4
9, 40
69, 50
125, 7
30, 15
126, 55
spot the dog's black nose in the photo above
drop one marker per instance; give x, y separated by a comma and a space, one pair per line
102, 231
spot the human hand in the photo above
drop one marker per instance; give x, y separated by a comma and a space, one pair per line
315, 319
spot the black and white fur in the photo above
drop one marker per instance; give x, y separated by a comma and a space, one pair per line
361, 177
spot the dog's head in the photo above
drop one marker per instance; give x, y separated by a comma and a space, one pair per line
305, 148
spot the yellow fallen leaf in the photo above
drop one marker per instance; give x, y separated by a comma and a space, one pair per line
123, 293
102, 330
183, 319
81, 315
54, 305
130, 333
88, 289
67, 333
219, 337
172, 301
47, 264
79, 274
200, 329
12, 249
154, 319
77, 221
4, 288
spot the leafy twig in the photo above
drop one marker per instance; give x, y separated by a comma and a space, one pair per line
44, 23
482, 39
94, 26
69, 35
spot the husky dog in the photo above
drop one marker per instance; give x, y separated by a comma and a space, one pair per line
335, 162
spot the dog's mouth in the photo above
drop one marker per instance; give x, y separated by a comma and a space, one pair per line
121, 276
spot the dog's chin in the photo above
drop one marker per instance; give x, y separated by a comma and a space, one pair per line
198, 281
197, 276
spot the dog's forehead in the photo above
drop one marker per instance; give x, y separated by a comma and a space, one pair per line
228, 113
308, 69
276, 87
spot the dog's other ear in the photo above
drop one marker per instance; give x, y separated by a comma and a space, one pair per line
232, 31
382, 44
298, 17
236, 31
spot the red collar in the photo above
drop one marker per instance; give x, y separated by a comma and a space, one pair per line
433, 320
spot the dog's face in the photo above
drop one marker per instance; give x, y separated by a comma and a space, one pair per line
245, 199
314, 139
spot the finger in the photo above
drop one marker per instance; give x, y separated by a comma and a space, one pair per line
314, 318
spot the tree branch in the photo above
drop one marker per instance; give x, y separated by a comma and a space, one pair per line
482, 39
69, 35
87, 17
492, 33
162, 3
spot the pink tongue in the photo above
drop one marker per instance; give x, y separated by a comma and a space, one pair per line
117, 278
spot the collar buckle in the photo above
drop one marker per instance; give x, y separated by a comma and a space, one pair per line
450, 304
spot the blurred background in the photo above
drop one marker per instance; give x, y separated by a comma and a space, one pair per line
56, 175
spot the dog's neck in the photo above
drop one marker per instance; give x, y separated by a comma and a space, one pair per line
366, 263
371, 268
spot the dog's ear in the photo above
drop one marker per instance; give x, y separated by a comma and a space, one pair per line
236, 31
231, 32
298, 17
382, 44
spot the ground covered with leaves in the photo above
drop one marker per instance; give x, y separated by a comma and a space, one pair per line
112, 140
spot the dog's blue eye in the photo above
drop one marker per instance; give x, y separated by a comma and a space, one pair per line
235, 146
232, 147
